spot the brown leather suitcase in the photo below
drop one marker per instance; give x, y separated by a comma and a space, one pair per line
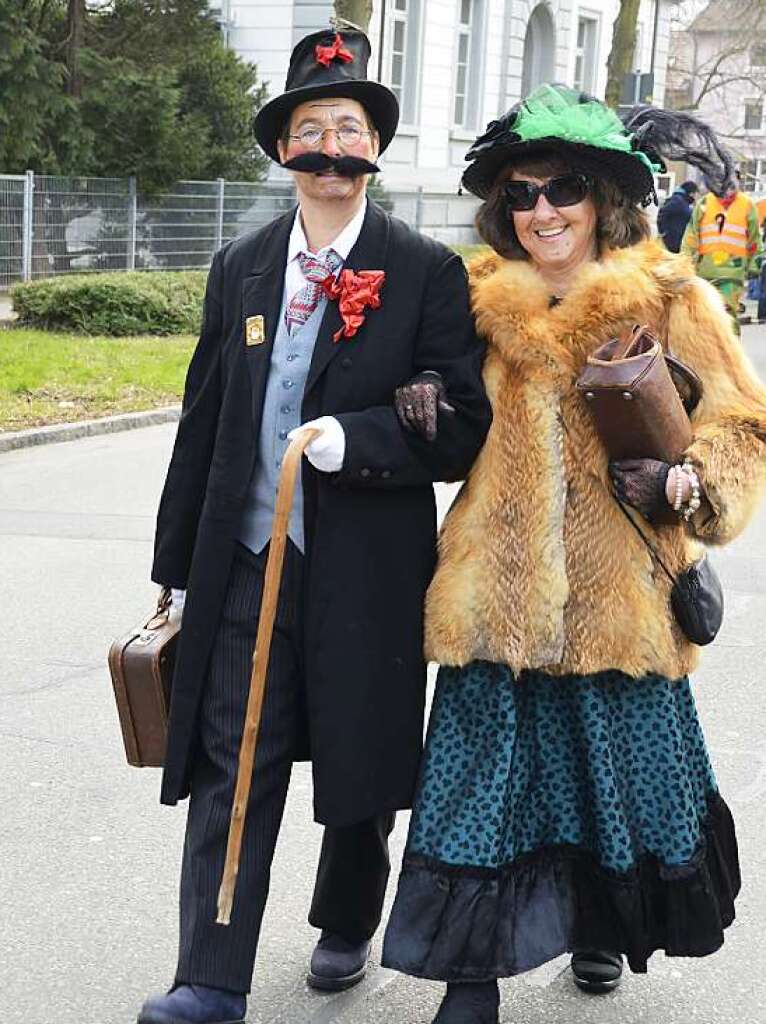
141, 664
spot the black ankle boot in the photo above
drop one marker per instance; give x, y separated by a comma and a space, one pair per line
470, 1003
596, 970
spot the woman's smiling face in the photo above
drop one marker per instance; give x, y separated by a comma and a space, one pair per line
556, 238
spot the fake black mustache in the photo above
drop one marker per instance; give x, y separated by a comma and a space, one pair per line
345, 166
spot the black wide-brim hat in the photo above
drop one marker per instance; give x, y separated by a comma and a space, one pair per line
557, 121
628, 149
633, 178
323, 64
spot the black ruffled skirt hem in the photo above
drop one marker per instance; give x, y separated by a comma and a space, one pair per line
474, 924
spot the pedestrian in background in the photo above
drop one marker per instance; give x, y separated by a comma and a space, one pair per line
328, 316
567, 801
761, 210
723, 238
674, 215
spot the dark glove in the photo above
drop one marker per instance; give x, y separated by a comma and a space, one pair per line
641, 484
419, 401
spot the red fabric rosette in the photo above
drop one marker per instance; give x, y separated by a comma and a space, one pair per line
355, 293
335, 51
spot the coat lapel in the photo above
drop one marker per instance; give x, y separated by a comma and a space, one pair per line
262, 297
369, 253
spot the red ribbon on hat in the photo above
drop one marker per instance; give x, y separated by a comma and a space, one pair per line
336, 51
355, 292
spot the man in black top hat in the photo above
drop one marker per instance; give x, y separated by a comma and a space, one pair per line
341, 316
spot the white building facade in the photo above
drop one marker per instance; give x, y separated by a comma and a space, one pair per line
455, 65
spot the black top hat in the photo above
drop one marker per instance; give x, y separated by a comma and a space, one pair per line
328, 63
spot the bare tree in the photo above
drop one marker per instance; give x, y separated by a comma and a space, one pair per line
354, 12
620, 61
713, 51
76, 14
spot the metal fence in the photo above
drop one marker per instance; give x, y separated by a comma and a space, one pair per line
59, 225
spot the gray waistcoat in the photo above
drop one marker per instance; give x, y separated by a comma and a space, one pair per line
286, 383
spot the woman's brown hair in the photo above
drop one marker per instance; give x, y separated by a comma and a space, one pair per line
619, 222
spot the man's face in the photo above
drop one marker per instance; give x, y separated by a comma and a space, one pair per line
318, 116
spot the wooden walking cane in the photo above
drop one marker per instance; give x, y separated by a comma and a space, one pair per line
285, 492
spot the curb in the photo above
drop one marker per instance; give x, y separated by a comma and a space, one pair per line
58, 432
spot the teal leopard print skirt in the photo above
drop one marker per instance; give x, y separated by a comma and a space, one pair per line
557, 813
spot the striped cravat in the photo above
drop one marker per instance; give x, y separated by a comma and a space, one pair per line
315, 269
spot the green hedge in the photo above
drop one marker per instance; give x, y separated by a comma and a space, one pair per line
121, 303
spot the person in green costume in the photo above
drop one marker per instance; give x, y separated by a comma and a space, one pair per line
723, 238
566, 800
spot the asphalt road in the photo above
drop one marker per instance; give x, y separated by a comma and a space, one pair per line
89, 860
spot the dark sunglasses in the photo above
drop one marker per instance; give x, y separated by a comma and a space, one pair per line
566, 190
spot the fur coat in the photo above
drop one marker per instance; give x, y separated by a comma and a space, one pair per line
538, 566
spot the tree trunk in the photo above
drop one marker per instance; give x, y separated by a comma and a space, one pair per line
358, 12
76, 15
620, 59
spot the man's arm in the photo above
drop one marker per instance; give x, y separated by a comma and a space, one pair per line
186, 481
379, 451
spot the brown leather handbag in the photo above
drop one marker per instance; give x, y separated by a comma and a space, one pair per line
141, 665
640, 397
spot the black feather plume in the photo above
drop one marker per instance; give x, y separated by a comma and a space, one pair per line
670, 135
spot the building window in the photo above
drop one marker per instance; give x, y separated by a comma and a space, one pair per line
469, 47
463, 62
758, 55
403, 49
750, 178
398, 48
585, 55
753, 115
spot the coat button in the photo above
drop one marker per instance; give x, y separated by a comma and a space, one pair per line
365, 472
346, 362
386, 474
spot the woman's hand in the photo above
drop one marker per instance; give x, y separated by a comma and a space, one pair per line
419, 401
641, 484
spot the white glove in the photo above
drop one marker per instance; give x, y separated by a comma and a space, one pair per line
325, 452
177, 601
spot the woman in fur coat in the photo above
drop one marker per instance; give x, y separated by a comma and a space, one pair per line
567, 801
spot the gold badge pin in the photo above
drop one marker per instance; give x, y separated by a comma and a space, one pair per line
254, 333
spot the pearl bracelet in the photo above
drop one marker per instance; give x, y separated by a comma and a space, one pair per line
694, 501
678, 481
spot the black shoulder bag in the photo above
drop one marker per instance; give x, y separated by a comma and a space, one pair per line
696, 596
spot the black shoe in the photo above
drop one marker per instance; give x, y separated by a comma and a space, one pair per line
596, 970
194, 1004
337, 964
470, 1003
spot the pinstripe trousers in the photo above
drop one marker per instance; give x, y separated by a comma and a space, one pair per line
354, 865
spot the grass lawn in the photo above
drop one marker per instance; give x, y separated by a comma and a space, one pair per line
56, 378
48, 377
469, 251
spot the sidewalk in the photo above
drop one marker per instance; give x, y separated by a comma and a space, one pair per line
89, 861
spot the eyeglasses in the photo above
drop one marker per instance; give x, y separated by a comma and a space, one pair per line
347, 135
566, 190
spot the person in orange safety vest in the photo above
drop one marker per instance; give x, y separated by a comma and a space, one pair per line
724, 240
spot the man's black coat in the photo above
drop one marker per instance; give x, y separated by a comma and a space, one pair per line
370, 529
